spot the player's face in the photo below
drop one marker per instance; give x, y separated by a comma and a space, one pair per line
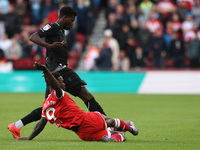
68, 22
61, 81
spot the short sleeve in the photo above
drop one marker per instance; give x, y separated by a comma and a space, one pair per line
47, 30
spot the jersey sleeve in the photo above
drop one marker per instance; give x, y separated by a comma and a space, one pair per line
47, 30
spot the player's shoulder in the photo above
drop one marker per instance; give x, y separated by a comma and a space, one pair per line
54, 24
50, 26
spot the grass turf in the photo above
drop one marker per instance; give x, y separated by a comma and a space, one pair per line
165, 122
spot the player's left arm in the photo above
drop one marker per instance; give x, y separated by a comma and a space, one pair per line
37, 129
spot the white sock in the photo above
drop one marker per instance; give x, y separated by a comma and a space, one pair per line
19, 124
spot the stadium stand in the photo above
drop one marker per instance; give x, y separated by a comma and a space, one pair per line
146, 24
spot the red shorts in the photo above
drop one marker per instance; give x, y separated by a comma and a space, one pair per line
93, 127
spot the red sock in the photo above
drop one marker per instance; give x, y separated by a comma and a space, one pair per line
121, 125
118, 137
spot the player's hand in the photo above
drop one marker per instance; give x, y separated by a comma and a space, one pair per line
57, 44
23, 138
39, 66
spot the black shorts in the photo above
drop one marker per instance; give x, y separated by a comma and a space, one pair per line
73, 82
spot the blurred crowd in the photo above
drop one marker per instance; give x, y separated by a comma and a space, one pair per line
148, 34
138, 33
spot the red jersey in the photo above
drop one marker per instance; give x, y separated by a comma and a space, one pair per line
62, 111
154, 25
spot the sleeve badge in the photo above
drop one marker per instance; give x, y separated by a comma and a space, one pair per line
46, 27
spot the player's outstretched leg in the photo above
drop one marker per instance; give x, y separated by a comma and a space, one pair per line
120, 125
132, 130
14, 130
16, 126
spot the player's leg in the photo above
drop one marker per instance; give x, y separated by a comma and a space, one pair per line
75, 86
116, 136
15, 127
35, 115
121, 125
90, 101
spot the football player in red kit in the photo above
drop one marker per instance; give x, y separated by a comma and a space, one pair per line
61, 110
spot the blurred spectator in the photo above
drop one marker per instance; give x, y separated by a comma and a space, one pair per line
71, 39
177, 51
182, 10
2, 55
12, 23
193, 52
167, 34
111, 8
120, 15
134, 27
91, 14
14, 52
188, 22
165, 8
4, 5
131, 11
92, 55
132, 42
154, 24
103, 62
188, 3
2, 29
36, 51
158, 49
69, 3
136, 57
145, 7
5, 66
35, 11
123, 63
112, 43
113, 25
20, 10
187, 27
46, 7
52, 15
144, 38
123, 36
26, 44
82, 17
176, 23
196, 12
5, 42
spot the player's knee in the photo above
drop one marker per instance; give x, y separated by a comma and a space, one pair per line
110, 122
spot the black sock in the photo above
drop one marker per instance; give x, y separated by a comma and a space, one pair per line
35, 115
93, 105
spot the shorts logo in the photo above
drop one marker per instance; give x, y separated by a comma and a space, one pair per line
47, 27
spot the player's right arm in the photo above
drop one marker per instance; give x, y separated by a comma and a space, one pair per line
35, 38
53, 83
37, 129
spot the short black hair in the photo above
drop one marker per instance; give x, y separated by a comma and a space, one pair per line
67, 11
56, 75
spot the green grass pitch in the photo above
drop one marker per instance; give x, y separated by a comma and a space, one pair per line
165, 122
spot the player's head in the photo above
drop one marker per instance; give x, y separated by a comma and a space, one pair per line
60, 79
67, 15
